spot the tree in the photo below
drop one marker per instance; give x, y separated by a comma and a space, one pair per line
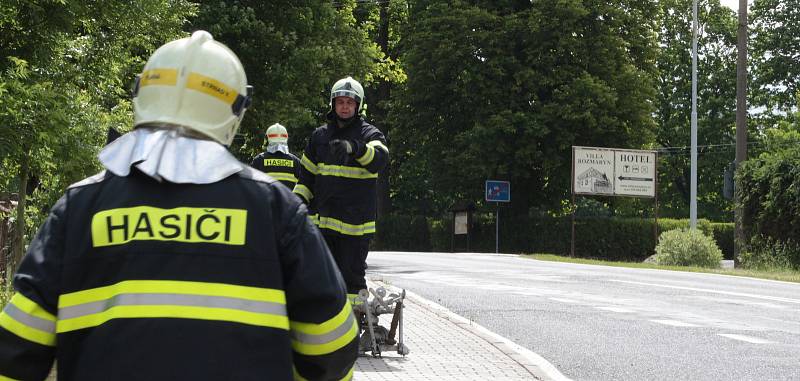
504, 89
716, 106
776, 56
384, 22
65, 67
293, 53
769, 185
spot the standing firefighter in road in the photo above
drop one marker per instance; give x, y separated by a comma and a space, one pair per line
276, 160
338, 178
178, 262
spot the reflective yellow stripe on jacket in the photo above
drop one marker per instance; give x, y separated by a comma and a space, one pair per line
303, 190
283, 176
370, 152
309, 165
28, 320
326, 337
346, 171
343, 227
172, 299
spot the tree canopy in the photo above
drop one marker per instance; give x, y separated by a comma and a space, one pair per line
503, 91
465, 90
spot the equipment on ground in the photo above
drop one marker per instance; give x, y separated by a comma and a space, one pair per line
374, 337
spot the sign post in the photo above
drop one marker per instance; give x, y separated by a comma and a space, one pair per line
497, 191
613, 172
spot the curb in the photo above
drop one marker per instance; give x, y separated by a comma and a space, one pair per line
536, 365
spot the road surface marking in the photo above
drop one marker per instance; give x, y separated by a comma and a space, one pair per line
748, 339
781, 320
615, 309
565, 300
765, 297
674, 323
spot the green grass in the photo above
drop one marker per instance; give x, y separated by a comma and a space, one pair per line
781, 274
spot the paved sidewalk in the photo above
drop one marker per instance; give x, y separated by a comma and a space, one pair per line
445, 346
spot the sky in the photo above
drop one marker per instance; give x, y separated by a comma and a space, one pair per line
733, 4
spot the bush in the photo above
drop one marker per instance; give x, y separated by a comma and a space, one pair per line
687, 247
764, 253
723, 234
769, 189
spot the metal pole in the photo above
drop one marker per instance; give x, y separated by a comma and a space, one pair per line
693, 191
572, 222
453, 237
572, 241
497, 229
655, 191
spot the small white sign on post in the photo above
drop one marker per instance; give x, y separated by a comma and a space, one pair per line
460, 223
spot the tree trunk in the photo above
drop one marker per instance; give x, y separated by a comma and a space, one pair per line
382, 95
18, 242
741, 124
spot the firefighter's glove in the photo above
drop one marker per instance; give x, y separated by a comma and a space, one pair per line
341, 148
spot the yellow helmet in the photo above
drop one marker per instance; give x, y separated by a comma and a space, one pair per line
276, 133
196, 83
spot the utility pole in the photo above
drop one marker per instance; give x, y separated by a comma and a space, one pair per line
741, 120
693, 184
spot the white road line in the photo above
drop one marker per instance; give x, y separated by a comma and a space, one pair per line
562, 300
728, 300
781, 320
615, 309
674, 323
765, 297
749, 339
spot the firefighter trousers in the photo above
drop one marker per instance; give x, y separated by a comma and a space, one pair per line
350, 254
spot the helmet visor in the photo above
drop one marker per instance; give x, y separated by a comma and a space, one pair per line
346, 93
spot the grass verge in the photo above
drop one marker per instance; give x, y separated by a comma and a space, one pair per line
778, 274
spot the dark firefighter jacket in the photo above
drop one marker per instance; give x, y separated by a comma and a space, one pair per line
282, 167
343, 194
132, 279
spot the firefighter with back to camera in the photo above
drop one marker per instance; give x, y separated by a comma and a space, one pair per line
178, 262
276, 160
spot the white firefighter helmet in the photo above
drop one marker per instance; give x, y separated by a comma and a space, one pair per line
276, 133
348, 87
196, 83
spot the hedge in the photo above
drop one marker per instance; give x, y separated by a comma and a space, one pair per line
608, 238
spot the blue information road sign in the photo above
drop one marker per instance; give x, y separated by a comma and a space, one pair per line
498, 191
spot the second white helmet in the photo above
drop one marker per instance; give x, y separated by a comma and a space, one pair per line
194, 82
276, 133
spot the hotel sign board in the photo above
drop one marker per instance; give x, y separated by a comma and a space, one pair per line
613, 172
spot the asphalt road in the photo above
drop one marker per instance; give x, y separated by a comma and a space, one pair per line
607, 323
